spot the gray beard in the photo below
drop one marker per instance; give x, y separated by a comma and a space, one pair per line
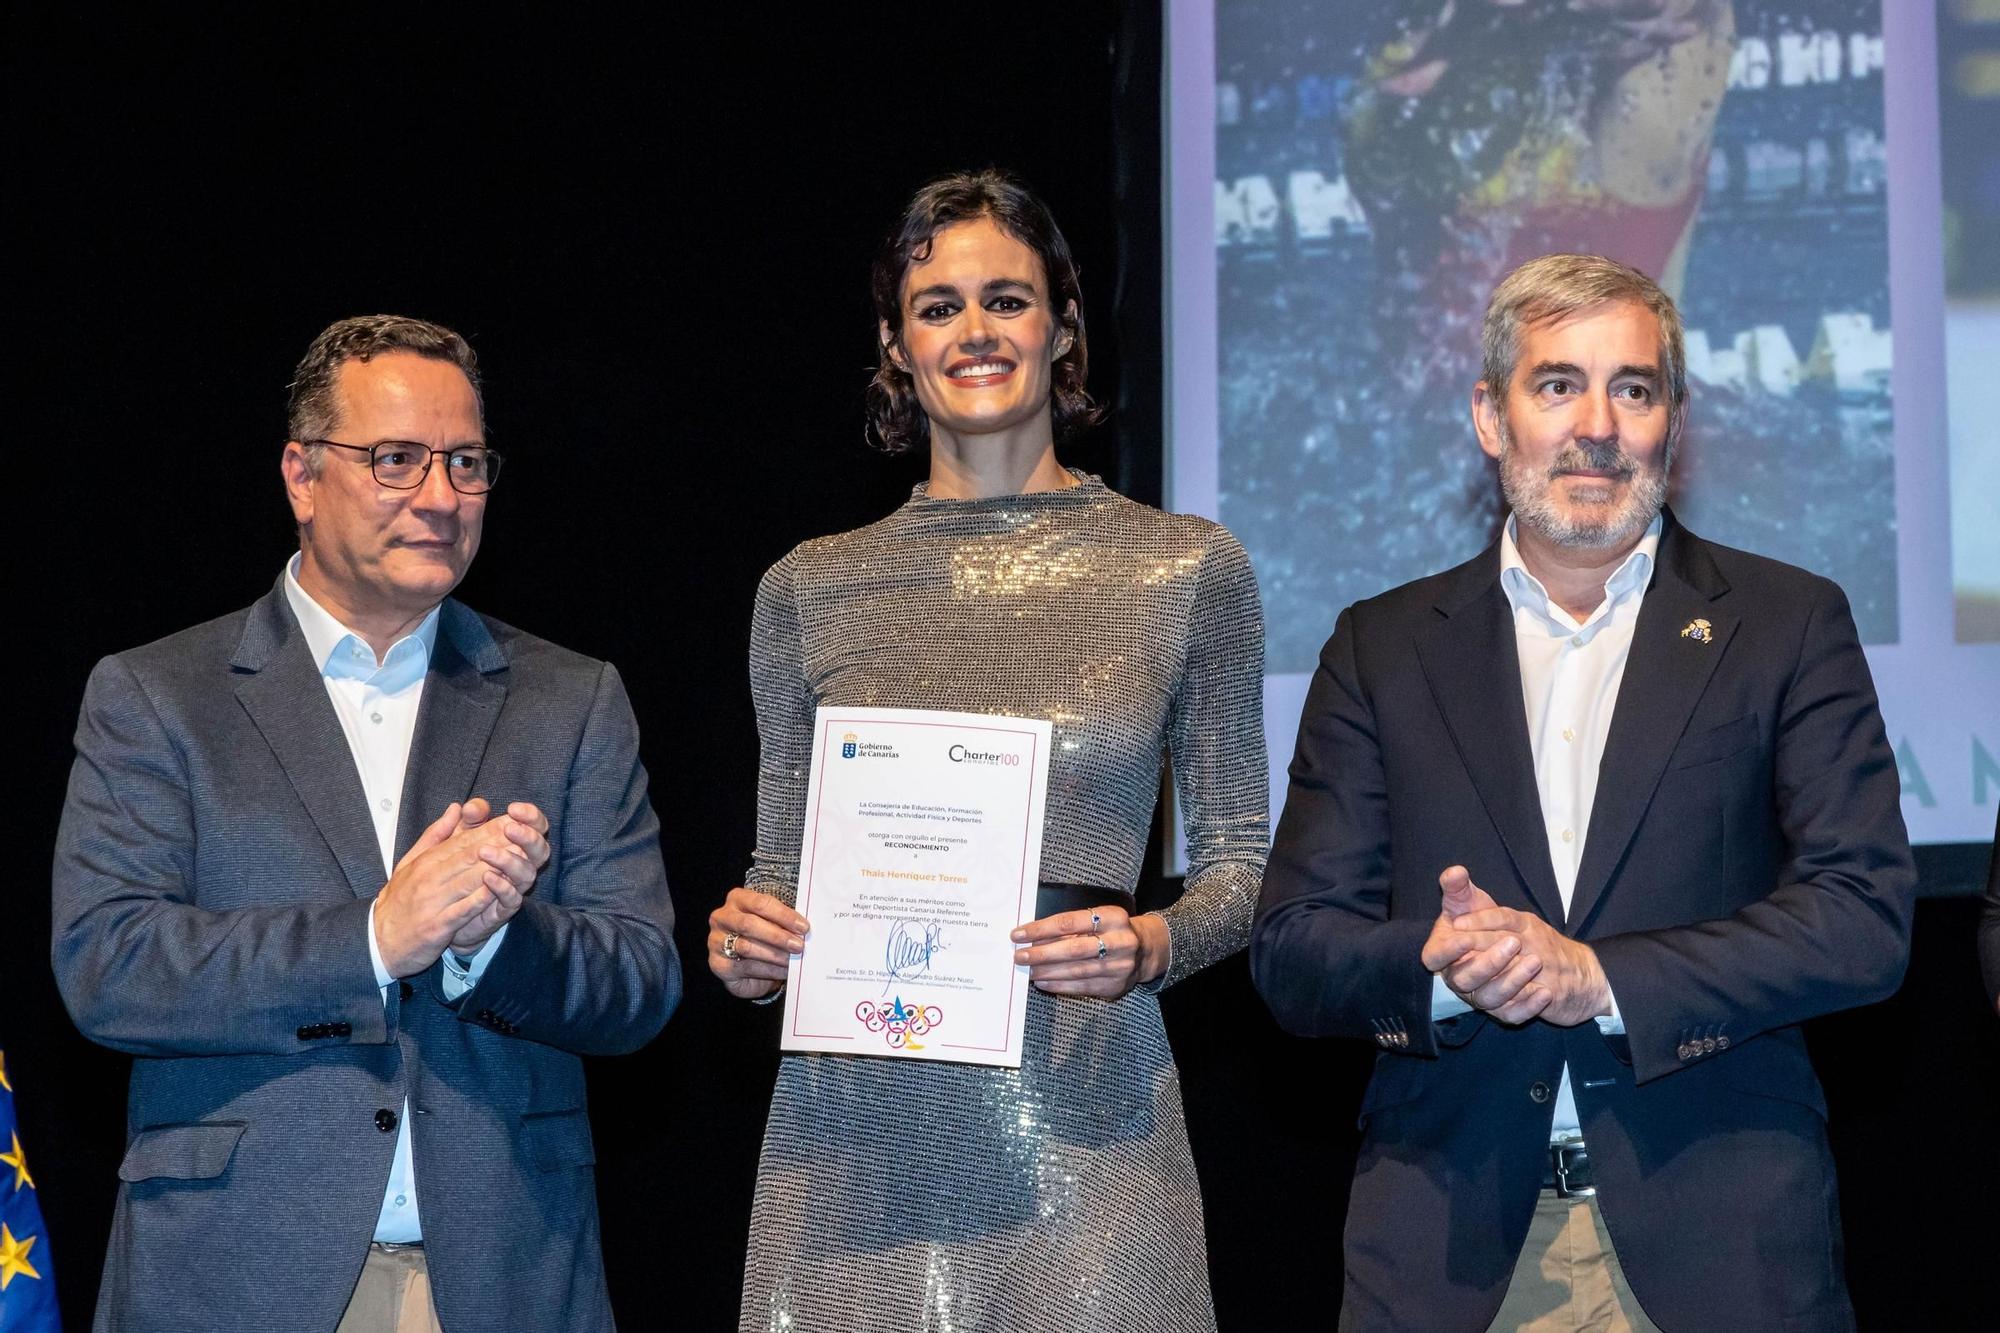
1531, 496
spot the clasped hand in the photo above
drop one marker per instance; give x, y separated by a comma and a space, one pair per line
1512, 965
462, 879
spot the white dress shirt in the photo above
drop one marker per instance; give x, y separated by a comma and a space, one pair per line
1570, 673
377, 706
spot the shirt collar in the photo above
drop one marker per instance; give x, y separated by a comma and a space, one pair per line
333, 644
1525, 591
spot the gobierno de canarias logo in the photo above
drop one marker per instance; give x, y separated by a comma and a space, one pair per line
853, 747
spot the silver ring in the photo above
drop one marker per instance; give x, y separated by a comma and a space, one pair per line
729, 945
1101, 951
1096, 925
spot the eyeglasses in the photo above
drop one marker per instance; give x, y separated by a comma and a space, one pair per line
402, 465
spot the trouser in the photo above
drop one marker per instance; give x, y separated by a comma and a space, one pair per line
1568, 1277
393, 1295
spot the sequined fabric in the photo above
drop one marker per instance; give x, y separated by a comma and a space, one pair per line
1060, 1197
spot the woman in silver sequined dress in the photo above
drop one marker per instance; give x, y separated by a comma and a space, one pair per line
1059, 1197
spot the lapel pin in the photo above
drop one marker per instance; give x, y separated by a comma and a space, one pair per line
1699, 630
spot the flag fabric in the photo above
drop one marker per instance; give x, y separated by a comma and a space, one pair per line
27, 1282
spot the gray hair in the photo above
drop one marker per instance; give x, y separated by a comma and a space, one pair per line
1556, 287
314, 409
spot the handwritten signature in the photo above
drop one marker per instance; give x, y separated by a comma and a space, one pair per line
912, 945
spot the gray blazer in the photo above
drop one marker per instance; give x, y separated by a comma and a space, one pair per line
212, 882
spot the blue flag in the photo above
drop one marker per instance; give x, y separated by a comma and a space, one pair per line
27, 1282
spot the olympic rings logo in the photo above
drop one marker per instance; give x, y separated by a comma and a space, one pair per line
899, 1023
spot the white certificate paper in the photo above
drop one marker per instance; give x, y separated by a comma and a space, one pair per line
922, 852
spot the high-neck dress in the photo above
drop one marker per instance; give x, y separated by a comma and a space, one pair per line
1060, 1197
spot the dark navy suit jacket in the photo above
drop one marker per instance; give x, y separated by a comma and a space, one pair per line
212, 883
1989, 925
1746, 869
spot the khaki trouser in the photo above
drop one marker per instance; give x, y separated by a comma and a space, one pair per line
393, 1295
1568, 1278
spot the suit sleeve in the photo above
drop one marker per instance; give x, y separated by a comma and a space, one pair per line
1834, 932
1989, 928
141, 967
1324, 952
589, 964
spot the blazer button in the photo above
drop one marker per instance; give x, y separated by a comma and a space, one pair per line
407, 989
343, 1029
306, 1032
1538, 1092
385, 1120
1683, 1051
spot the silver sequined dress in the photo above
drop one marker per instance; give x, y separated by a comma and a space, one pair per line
897, 1196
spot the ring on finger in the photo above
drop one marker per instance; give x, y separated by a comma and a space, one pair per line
729, 946
1097, 923
1102, 950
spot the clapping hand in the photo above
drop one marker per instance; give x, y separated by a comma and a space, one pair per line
459, 882
1512, 965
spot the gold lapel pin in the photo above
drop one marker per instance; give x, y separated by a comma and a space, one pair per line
1699, 630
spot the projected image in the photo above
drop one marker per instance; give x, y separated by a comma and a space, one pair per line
1969, 112
1382, 163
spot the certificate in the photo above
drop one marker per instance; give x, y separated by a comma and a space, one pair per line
922, 852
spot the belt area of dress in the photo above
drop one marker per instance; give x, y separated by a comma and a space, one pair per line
1051, 899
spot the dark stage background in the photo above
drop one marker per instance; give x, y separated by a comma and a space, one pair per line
656, 233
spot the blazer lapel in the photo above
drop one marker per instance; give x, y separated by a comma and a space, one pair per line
1474, 673
462, 697
285, 697
1665, 674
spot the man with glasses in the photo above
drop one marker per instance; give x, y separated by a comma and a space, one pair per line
360, 873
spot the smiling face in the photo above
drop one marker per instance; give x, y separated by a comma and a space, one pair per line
371, 554
1582, 432
979, 335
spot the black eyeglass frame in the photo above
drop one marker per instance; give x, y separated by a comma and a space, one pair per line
492, 456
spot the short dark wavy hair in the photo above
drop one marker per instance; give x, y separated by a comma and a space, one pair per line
896, 420
314, 410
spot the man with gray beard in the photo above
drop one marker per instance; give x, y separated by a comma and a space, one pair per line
1579, 833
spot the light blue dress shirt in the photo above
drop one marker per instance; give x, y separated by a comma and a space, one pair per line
377, 703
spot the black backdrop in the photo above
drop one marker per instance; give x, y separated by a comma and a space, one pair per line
656, 234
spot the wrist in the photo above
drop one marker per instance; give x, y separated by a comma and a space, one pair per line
1155, 946
1600, 985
